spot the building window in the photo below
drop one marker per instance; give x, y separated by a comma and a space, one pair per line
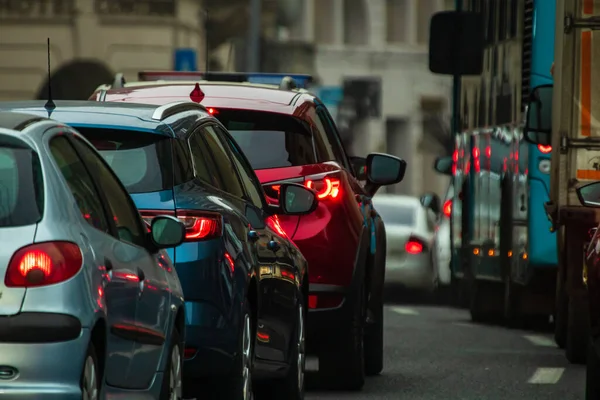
324, 22
424, 12
356, 30
396, 12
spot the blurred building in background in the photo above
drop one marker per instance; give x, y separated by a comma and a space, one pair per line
369, 58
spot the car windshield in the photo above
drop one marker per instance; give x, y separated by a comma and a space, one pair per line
21, 187
270, 140
396, 214
141, 160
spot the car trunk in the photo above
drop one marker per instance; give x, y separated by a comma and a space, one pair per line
12, 238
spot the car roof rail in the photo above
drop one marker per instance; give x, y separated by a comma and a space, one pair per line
288, 83
119, 81
101, 96
170, 109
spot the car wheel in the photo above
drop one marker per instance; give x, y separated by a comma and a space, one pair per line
374, 342
239, 386
172, 386
592, 374
292, 386
577, 330
90, 382
342, 365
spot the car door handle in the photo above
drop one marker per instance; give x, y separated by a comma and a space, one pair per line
141, 279
253, 236
274, 245
108, 265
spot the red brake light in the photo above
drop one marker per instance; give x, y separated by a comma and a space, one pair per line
544, 149
212, 111
199, 225
325, 188
447, 210
414, 246
43, 264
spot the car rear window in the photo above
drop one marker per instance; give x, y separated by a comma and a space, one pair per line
21, 187
396, 214
141, 160
270, 140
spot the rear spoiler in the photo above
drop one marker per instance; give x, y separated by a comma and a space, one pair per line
284, 81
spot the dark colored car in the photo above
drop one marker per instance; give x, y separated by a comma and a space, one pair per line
245, 283
289, 136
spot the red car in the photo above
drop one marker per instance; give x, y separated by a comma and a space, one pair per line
289, 136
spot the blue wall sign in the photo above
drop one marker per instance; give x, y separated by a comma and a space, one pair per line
185, 60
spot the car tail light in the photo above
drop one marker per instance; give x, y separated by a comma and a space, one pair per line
326, 188
414, 246
447, 210
199, 225
189, 352
212, 111
544, 149
43, 264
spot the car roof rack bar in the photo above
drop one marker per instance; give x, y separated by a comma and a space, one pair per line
101, 96
119, 81
288, 83
170, 109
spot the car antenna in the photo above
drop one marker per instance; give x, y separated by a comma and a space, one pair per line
49, 106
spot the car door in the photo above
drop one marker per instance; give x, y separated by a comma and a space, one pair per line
153, 298
279, 287
120, 285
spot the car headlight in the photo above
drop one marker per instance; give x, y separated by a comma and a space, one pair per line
544, 166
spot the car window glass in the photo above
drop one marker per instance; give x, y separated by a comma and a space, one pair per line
324, 150
247, 175
224, 165
182, 162
80, 182
120, 205
332, 136
199, 157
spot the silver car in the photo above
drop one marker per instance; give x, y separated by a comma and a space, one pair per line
409, 229
90, 306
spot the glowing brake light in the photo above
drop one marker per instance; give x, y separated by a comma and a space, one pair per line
212, 111
43, 264
199, 225
447, 209
325, 188
413, 247
544, 149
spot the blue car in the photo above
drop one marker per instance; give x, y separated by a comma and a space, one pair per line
90, 306
245, 283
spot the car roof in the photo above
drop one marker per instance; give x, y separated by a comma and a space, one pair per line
90, 113
16, 121
396, 199
245, 96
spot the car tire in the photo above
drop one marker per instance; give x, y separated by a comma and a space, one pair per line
172, 384
90, 375
239, 385
577, 330
592, 373
561, 313
485, 300
342, 366
292, 386
512, 299
374, 342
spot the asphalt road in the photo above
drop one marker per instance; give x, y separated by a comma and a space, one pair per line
437, 353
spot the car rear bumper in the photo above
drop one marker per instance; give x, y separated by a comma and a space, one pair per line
43, 370
36, 327
414, 273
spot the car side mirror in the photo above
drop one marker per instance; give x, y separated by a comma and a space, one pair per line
538, 118
295, 199
359, 165
589, 195
166, 231
383, 169
431, 201
443, 165
456, 43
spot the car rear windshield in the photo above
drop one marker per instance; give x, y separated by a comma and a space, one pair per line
21, 187
141, 160
270, 140
394, 214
